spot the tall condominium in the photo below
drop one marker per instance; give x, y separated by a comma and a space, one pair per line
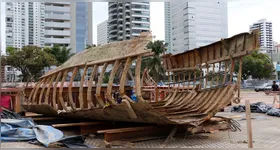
265, 27
102, 33
45, 24
128, 20
195, 24
167, 25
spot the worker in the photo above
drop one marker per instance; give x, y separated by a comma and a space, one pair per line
275, 87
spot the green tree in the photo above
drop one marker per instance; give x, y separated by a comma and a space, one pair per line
154, 63
61, 54
90, 46
257, 65
30, 60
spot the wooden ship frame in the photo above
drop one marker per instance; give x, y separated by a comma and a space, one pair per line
184, 103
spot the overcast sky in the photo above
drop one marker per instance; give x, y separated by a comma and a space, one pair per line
241, 14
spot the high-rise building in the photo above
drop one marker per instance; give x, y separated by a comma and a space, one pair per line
266, 40
81, 26
195, 24
57, 24
45, 24
2, 67
128, 20
167, 16
102, 33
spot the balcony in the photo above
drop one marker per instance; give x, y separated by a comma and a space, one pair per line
135, 34
120, 14
57, 24
140, 8
57, 32
112, 4
57, 9
112, 19
120, 38
140, 14
113, 35
112, 25
113, 31
112, 9
140, 21
113, 14
141, 27
140, 3
57, 40
58, 17
64, 3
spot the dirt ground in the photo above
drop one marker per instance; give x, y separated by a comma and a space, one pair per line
266, 132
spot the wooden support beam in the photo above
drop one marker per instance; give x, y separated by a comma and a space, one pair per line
32, 92
43, 90
49, 88
137, 79
54, 90
90, 83
81, 99
74, 73
61, 89
36, 91
225, 75
232, 70
111, 80
124, 74
99, 84
249, 125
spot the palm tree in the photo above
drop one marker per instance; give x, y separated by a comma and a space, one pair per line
154, 63
61, 54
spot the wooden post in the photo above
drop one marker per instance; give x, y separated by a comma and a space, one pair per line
249, 125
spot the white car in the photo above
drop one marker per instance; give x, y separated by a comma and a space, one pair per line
264, 87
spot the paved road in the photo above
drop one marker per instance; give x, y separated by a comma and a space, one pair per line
266, 132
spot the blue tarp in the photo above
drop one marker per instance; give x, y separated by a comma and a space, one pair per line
26, 130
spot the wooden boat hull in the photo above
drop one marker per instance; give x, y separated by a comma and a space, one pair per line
183, 105
201, 107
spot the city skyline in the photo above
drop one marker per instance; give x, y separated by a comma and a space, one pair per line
240, 15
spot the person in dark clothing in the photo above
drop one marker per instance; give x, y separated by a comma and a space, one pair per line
275, 86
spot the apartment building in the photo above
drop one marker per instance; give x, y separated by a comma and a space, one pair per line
127, 20
45, 24
266, 40
194, 24
167, 25
102, 33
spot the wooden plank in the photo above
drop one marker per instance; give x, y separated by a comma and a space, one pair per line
120, 130
75, 124
54, 90
249, 124
49, 88
124, 135
81, 100
90, 83
74, 73
98, 89
62, 103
